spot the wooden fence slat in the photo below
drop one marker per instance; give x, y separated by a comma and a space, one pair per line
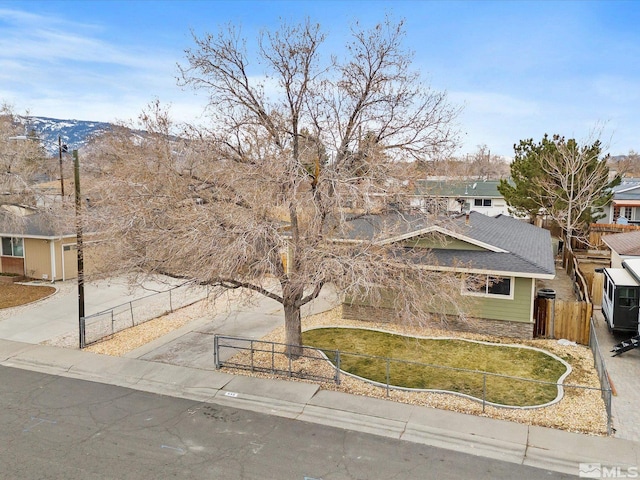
571, 320
564, 319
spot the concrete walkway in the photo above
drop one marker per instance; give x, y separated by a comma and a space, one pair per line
545, 448
624, 375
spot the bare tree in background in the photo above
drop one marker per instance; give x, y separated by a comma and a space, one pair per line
22, 158
23, 166
296, 157
574, 185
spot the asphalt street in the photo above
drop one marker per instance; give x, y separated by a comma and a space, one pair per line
55, 427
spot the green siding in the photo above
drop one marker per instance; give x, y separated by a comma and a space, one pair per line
517, 309
435, 242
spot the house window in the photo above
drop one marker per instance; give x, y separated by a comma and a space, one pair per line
630, 213
628, 297
482, 202
488, 285
609, 290
12, 247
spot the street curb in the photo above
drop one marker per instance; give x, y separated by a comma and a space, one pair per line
539, 447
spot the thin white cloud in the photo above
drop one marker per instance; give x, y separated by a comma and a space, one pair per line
50, 39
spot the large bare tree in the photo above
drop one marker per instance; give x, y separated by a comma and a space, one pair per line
22, 158
290, 187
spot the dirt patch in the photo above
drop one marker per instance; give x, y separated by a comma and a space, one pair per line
13, 295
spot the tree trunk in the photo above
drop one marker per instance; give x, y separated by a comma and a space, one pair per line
293, 330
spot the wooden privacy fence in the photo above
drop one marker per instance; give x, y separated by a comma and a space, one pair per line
597, 230
562, 319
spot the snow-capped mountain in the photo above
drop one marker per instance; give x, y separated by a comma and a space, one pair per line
74, 133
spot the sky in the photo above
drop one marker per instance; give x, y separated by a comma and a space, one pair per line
517, 69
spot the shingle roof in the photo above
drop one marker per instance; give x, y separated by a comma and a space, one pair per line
463, 189
527, 248
523, 241
34, 225
624, 243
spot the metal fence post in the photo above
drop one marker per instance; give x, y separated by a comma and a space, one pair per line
216, 355
170, 302
609, 416
273, 354
337, 367
133, 321
251, 346
387, 373
484, 390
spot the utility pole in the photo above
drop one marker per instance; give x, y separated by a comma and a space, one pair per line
76, 177
60, 157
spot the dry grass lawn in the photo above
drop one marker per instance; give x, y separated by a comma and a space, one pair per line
13, 294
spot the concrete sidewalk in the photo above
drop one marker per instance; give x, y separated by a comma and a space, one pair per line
181, 364
539, 447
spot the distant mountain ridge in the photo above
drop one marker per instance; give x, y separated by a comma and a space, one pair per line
74, 133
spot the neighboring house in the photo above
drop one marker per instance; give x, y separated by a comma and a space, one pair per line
623, 246
456, 196
31, 246
624, 207
621, 296
508, 254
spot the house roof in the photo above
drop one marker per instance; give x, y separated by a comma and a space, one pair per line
34, 225
507, 245
624, 243
457, 188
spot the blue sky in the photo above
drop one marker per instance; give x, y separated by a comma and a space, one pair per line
519, 69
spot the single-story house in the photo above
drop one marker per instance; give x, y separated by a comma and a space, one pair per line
32, 247
623, 246
458, 196
624, 207
510, 255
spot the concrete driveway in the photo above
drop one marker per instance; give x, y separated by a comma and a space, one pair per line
55, 319
192, 345
57, 315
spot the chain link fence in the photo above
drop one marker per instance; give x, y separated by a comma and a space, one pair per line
329, 366
102, 325
601, 368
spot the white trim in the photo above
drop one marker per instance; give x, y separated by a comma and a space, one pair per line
38, 237
532, 303
497, 273
628, 189
512, 285
52, 259
446, 232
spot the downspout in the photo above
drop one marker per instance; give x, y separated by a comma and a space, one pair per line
52, 258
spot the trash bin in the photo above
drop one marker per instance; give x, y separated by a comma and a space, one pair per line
547, 293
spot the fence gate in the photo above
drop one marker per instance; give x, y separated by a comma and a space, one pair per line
562, 319
543, 314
